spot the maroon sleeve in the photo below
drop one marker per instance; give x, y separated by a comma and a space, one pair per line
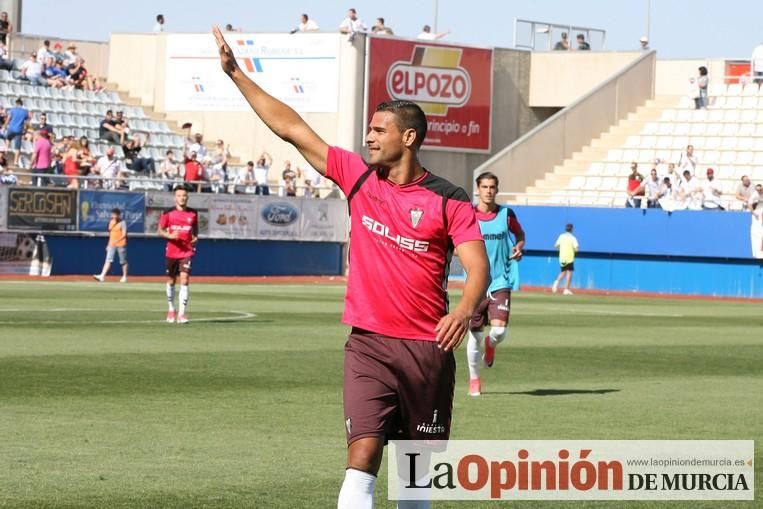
462, 223
344, 168
514, 226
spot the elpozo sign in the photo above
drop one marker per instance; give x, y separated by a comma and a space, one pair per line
452, 84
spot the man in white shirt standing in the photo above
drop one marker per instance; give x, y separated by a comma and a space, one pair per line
306, 25
427, 34
159, 25
756, 63
688, 160
711, 192
352, 24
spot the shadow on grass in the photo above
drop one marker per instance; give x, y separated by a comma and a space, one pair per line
559, 392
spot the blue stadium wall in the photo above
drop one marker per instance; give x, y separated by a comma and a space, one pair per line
686, 252
215, 257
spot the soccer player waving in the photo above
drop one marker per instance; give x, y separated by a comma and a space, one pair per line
504, 241
180, 226
399, 369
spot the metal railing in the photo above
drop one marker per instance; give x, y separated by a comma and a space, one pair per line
543, 35
131, 181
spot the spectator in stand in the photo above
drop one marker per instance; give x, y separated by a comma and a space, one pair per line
582, 44
756, 63
80, 79
653, 190
159, 25
711, 191
41, 158
672, 175
6, 28
7, 177
110, 131
312, 182
230, 28
635, 189
85, 159
352, 24
744, 191
288, 171
261, 174
289, 186
215, 175
31, 70
755, 205
306, 25
170, 170
194, 171
688, 160
668, 200
39, 126
380, 28
121, 123
3, 117
5, 62
427, 34
133, 160
219, 156
246, 182
563, 44
15, 127
111, 170
43, 52
196, 144
690, 192
58, 55
71, 168
702, 82
53, 74
644, 41
70, 55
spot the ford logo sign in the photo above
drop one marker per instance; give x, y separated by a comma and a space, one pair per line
280, 214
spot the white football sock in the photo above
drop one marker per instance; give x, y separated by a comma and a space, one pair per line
171, 296
357, 490
183, 298
473, 354
498, 334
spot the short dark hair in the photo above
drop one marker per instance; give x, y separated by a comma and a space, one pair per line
381, 19
409, 115
352, 10
109, 111
703, 71
19, 101
568, 227
581, 36
486, 175
304, 15
169, 152
116, 211
159, 17
180, 187
250, 163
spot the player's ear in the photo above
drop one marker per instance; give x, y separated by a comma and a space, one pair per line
409, 137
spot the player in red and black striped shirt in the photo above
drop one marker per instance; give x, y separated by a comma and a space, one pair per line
406, 224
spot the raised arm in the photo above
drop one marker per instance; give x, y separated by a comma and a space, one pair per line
280, 118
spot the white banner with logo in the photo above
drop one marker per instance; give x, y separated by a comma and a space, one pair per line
301, 70
3, 207
570, 469
278, 218
324, 220
231, 217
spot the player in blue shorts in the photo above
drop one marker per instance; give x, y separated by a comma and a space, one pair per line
504, 241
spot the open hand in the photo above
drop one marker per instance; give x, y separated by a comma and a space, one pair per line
227, 59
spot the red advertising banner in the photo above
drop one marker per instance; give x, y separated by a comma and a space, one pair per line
452, 84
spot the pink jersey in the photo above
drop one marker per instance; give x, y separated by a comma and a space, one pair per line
402, 242
185, 224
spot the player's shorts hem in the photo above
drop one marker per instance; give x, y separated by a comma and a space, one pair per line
369, 434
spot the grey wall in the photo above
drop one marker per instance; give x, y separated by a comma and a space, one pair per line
511, 118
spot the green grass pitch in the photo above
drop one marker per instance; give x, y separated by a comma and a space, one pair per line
102, 405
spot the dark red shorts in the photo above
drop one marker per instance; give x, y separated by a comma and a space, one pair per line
177, 265
398, 389
495, 306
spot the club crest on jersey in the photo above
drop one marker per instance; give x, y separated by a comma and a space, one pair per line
416, 215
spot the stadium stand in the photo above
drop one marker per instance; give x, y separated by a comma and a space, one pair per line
728, 136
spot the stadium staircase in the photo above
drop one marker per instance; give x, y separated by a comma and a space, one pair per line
728, 137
